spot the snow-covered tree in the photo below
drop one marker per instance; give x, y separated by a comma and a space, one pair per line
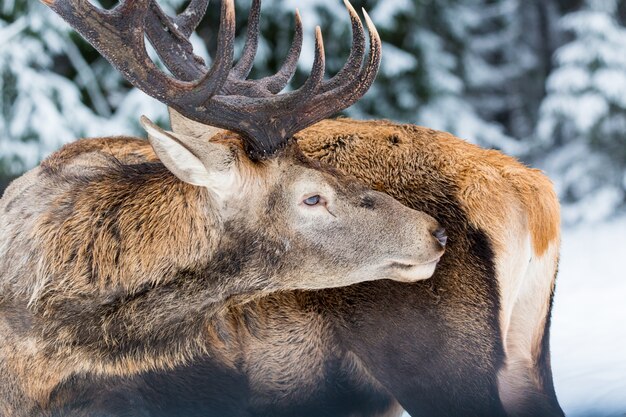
583, 117
503, 63
54, 88
422, 77
35, 100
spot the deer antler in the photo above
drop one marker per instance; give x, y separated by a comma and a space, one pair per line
221, 96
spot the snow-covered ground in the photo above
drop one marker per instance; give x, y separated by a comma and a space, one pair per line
589, 321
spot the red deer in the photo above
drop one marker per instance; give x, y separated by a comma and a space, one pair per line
471, 341
116, 268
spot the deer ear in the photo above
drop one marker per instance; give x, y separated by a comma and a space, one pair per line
193, 160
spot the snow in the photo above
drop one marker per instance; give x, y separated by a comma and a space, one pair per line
589, 321
588, 21
452, 115
586, 110
590, 51
396, 61
583, 114
611, 83
570, 79
385, 12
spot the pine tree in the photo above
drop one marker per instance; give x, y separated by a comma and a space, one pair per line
503, 63
54, 88
423, 79
35, 99
583, 117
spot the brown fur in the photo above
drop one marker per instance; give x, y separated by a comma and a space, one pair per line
430, 171
131, 150
424, 169
466, 188
498, 195
113, 266
293, 348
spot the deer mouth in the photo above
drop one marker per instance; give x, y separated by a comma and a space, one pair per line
409, 264
411, 271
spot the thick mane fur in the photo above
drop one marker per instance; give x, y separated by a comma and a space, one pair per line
91, 266
142, 221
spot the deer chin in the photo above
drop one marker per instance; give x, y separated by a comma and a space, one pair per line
407, 271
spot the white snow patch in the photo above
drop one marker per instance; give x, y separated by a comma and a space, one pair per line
569, 79
584, 110
385, 11
589, 321
611, 83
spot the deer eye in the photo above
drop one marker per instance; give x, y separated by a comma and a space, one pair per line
313, 200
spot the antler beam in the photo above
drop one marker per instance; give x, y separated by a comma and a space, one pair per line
221, 95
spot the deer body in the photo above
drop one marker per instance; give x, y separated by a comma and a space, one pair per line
198, 272
470, 341
119, 267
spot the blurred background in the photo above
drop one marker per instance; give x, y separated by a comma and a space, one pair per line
542, 80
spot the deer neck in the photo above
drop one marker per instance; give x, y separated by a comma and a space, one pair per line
136, 266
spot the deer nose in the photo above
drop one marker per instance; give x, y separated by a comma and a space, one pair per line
441, 236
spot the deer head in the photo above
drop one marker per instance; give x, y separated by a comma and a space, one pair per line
331, 231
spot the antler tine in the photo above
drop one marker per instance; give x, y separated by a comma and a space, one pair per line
190, 18
172, 45
174, 49
119, 36
329, 101
291, 112
244, 66
275, 83
199, 92
357, 53
346, 94
313, 83
216, 77
170, 40
367, 76
92, 23
268, 122
304, 111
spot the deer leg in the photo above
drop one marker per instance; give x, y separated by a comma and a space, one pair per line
525, 381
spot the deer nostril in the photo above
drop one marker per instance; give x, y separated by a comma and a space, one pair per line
440, 235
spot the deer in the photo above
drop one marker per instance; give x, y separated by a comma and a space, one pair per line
117, 267
469, 337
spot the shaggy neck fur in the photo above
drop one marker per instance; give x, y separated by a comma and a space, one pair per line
134, 263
